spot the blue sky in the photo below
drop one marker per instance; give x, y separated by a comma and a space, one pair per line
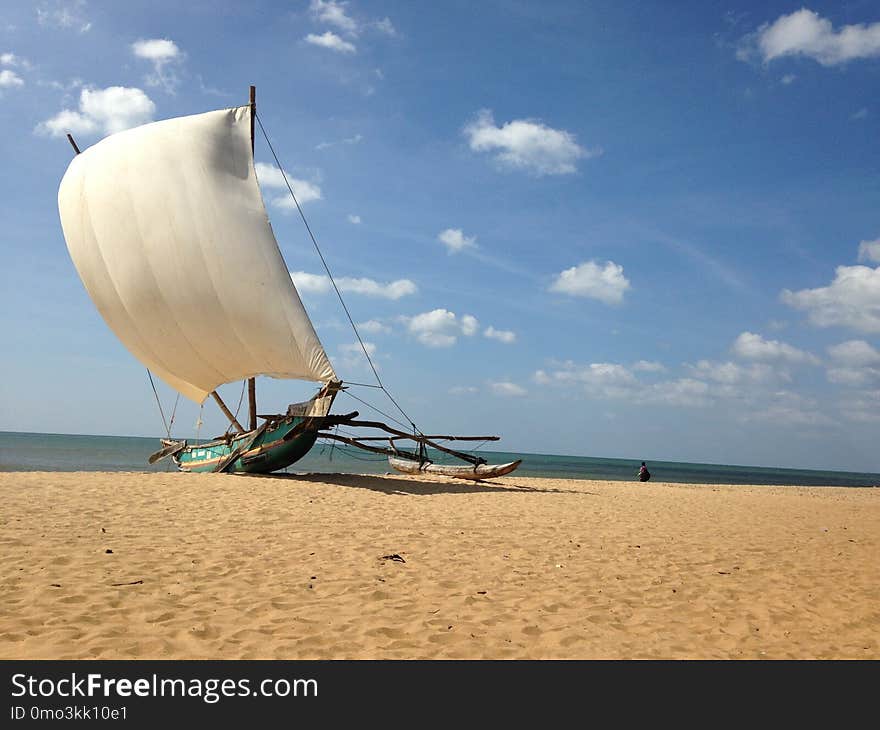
642, 230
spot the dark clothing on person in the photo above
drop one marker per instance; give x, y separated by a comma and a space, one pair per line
644, 474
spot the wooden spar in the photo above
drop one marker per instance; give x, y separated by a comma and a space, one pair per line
72, 143
226, 411
447, 438
252, 382
374, 449
420, 439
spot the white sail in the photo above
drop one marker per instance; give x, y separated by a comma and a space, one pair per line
167, 229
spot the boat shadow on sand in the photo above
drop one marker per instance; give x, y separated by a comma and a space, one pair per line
392, 484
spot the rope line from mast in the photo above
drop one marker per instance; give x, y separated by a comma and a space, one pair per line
159, 403
379, 410
332, 280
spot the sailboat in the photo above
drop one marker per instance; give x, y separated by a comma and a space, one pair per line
167, 228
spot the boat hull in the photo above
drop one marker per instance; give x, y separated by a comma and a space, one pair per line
270, 451
477, 473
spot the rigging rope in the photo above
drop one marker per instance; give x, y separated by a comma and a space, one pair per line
159, 403
238, 407
332, 281
368, 405
173, 413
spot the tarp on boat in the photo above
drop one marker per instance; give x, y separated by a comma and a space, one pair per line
167, 228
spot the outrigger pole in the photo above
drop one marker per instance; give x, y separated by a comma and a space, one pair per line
420, 439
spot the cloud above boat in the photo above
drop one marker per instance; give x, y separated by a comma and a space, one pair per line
750, 346
806, 34
271, 178
455, 240
594, 280
9, 79
101, 111
351, 356
440, 327
505, 336
870, 251
165, 56
321, 284
506, 389
374, 326
854, 363
526, 144
336, 14
752, 391
64, 14
851, 300
331, 41
333, 13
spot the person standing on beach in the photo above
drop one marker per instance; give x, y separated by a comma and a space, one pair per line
644, 474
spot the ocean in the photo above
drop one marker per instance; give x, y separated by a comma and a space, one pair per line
57, 452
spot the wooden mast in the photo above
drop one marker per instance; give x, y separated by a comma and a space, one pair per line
252, 382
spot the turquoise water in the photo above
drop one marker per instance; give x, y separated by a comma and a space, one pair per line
55, 452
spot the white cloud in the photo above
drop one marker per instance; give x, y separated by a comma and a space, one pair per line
463, 390
304, 191
860, 114
754, 347
851, 300
863, 407
598, 378
385, 26
333, 13
505, 336
455, 240
855, 363
270, 177
853, 376
351, 356
614, 381
355, 219
526, 144
374, 326
785, 408
164, 55
788, 78
469, 325
10, 79
109, 110
440, 327
870, 251
10, 59
805, 33
507, 389
348, 140
331, 41
320, 284
685, 392
854, 352
605, 283
649, 367
731, 373
64, 14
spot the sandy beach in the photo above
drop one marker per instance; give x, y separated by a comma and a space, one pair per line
187, 566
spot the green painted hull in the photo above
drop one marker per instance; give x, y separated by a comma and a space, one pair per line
269, 452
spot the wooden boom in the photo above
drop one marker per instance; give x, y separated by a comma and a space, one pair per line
397, 434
